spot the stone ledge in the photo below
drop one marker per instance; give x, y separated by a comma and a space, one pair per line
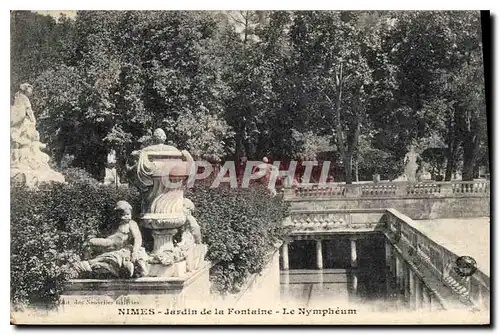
340, 211
385, 197
149, 284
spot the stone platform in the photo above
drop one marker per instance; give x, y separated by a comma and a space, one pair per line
191, 289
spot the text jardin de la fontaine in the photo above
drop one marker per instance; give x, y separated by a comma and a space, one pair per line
233, 311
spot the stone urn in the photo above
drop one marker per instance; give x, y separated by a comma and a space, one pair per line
162, 171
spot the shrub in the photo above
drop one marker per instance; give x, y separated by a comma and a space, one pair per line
78, 175
240, 227
49, 227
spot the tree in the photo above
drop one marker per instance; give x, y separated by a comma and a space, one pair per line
333, 57
138, 71
439, 84
37, 42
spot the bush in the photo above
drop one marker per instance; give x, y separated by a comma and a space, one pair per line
77, 175
48, 228
240, 227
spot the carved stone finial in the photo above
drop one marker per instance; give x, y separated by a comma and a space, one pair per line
159, 136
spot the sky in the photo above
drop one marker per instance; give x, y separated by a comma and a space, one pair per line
57, 13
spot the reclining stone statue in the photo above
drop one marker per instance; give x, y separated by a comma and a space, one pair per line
121, 254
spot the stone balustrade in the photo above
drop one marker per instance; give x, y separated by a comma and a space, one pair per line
422, 200
427, 261
440, 262
326, 221
390, 189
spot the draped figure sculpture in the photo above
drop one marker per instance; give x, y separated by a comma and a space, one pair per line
411, 164
110, 174
29, 164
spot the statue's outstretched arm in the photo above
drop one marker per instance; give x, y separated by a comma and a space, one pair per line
101, 242
136, 233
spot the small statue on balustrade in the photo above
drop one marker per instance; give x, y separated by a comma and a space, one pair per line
110, 174
411, 164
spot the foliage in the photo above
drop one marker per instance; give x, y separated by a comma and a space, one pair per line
311, 144
240, 227
440, 84
131, 73
231, 84
49, 227
37, 43
376, 161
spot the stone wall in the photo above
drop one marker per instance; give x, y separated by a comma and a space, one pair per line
260, 289
417, 208
161, 293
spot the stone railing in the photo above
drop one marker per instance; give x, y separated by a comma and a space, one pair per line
442, 263
434, 262
390, 190
328, 221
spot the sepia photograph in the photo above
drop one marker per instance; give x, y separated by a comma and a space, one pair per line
250, 167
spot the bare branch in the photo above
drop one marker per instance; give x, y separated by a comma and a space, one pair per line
236, 20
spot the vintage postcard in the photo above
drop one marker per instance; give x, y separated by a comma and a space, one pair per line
249, 167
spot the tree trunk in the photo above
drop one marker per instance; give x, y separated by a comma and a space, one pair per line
450, 161
240, 149
348, 167
471, 147
452, 147
356, 171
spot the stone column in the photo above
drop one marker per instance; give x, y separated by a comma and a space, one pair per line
426, 299
418, 293
354, 283
354, 254
411, 284
406, 276
388, 258
398, 272
319, 254
393, 263
284, 255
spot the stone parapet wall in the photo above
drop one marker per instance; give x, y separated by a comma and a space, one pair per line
390, 190
260, 289
418, 208
441, 263
420, 201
